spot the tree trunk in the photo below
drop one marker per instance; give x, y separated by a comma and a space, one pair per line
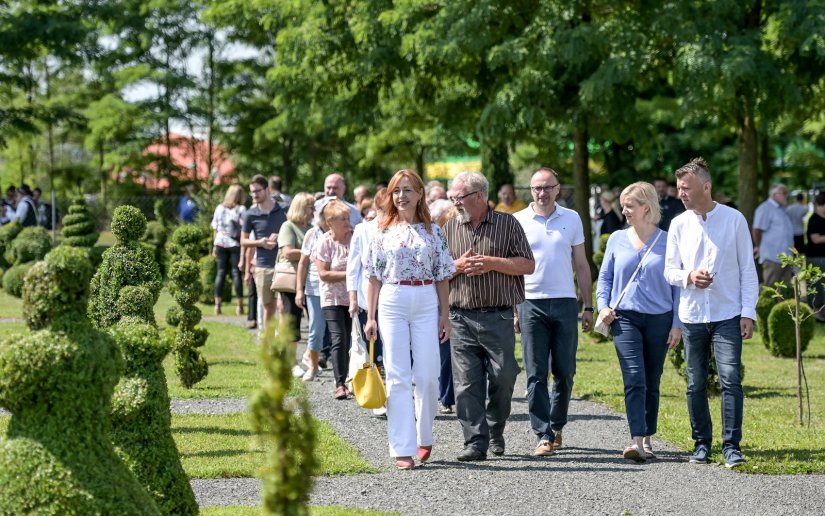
287, 161
419, 162
210, 109
747, 167
495, 162
581, 182
767, 169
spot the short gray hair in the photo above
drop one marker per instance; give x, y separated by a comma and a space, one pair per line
775, 187
474, 181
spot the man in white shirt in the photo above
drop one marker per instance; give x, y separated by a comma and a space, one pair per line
548, 317
710, 256
773, 235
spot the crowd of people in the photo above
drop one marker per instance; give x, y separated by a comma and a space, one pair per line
26, 207
442, 281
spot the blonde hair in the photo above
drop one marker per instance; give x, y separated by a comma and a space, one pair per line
234, 197
615, 207
298, 208
644, 194
335, 209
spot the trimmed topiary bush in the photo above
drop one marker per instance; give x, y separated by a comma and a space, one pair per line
96, 255
31, 245
78, 227
185, 288
283, 424
782, 330
126, 263
140, 408
57, 456
764, 305
8, 233
14, 278
190, 241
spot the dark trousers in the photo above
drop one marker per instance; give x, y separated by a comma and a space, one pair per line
252, 300
295, 312
227, 258
446, 391
726, 339
483, 343
339, 328
549, 337
378, 347
641, 344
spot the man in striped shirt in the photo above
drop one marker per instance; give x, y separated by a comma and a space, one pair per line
492, 256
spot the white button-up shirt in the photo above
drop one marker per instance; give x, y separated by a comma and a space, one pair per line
359, 248
722, 245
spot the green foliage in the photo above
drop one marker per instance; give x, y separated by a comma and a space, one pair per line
78, 227
598, 337
31, 245
57, 285
677, 359
155, 236
14, 277
8, 233
208, 273
57, 457
128, 224
126, 263
284, 426
782, 330
189, 240
141, 420
185, 288
764, 305
96, 254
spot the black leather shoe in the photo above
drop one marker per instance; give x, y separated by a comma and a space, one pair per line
471, 454
497, 448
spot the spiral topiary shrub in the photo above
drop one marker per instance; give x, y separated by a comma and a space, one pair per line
126, 263
283, 424
31, 245
190, 241
677, 359
782, 330
140, 408
14, 278
78, 227
57, 456
185, 288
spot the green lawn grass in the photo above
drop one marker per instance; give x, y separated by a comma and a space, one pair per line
10, 307
315, 510
772, 439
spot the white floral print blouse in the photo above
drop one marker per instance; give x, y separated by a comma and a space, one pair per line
408, 252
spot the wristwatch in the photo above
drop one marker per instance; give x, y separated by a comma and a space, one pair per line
589, 309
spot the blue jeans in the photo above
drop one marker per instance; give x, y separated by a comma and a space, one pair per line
483, 346
317, 324
726, 339
641, 344
549, 334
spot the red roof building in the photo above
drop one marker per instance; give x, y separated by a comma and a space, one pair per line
189, 158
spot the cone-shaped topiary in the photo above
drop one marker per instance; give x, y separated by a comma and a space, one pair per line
78, 227
140, 409
31, 245
283, 423
782, 330
57, 457
190, 365
125, 263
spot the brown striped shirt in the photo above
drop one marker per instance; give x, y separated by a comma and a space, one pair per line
499, 234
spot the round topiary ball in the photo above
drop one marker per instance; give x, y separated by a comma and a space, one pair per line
31, 245
71, 267
13, 279
782, 329
128, 223
191, 241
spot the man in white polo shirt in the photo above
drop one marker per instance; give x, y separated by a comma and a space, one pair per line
548, 318
709, 256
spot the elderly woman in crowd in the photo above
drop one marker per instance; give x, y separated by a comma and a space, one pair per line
409, 268
226, 223
646, 322
299, 218
330, 255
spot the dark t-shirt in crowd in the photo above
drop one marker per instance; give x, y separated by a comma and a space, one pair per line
816, 224
670, 207
264, 224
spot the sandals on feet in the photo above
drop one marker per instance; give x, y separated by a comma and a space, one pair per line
633, 453
404, 463
648, 450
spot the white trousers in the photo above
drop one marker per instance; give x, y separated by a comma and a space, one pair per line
408, 322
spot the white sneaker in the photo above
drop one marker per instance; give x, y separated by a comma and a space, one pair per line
379, 412
297, 371
309, 375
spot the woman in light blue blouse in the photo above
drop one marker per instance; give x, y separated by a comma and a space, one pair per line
646, 323
409, 267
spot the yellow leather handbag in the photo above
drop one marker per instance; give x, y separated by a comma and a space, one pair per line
368, 385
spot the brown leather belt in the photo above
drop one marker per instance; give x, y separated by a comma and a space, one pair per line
416, 283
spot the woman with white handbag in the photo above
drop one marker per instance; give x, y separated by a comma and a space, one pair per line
641, 309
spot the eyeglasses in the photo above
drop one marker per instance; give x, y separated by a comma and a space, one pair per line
253, 192
540, 189
460, 198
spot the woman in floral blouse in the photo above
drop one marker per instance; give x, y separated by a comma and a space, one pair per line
409, 268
